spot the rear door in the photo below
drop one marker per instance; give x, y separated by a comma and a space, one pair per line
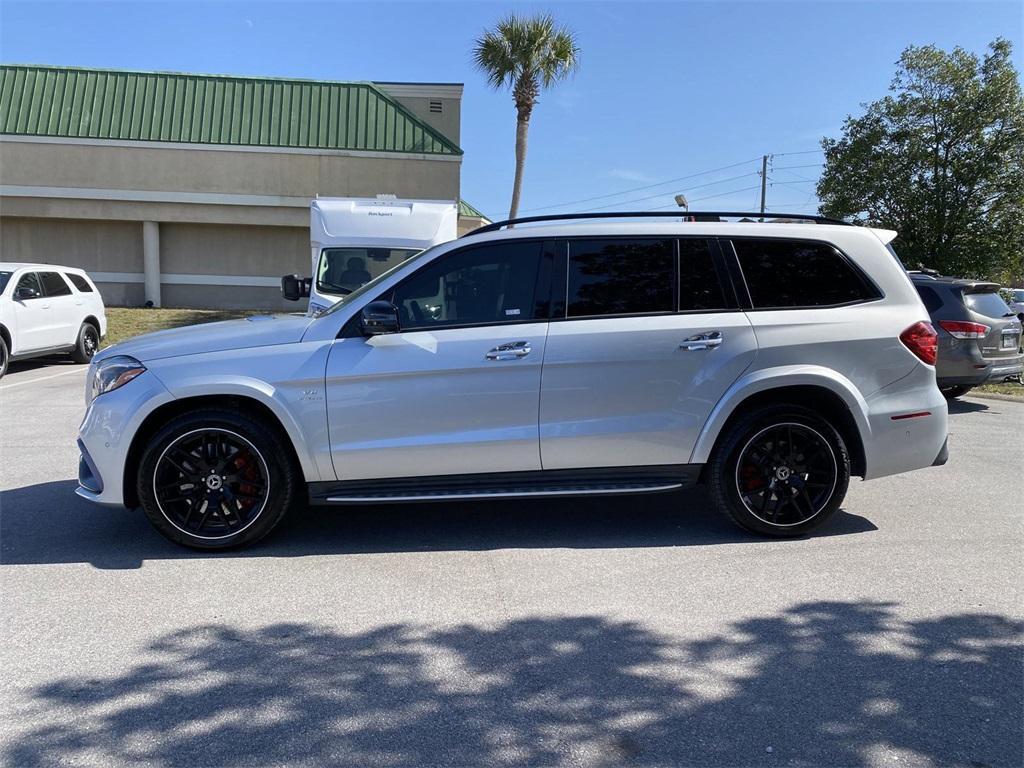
645, 343
65, 308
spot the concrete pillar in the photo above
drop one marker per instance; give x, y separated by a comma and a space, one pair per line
151, 260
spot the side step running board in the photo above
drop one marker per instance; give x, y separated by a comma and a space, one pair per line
507, 485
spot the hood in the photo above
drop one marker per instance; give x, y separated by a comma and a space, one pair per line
255, 331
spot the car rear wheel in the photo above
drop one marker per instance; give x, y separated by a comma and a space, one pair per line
951, 393
780, 471
216, 479
87, 345
4, 355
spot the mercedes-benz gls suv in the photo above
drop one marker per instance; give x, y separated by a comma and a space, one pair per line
771, 361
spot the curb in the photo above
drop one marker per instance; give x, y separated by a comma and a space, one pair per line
997, 396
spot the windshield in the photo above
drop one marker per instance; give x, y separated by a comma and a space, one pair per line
990, 304
343, 270
372, 285
5, 278
1018, 295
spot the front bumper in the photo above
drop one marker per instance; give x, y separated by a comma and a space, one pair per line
105, 436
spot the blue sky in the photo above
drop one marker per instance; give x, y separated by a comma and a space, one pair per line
666, 91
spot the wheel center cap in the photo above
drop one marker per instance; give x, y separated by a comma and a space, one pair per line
214, 482
783, 473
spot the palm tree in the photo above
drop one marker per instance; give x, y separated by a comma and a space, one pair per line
526, 53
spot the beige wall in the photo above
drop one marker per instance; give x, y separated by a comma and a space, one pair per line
137, 167
109, 246
218, 249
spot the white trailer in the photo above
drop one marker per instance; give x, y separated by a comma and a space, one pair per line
353, 240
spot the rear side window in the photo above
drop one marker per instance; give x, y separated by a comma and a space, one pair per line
79, 282
699, 287
620, 277
54, 285
989, 304
795, 273
930, 297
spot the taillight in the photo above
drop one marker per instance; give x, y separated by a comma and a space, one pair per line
964, 330
923, 341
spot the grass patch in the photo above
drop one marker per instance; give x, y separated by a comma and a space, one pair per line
1011, 388
126, 322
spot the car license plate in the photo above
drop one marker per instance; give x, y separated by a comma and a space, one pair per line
1011, 340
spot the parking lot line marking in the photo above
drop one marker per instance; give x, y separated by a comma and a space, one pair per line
43, 378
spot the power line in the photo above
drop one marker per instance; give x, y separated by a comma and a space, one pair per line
638, 189
791, 167
709, 197
662, 194
807, 152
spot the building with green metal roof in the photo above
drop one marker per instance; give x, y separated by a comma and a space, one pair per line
169, 186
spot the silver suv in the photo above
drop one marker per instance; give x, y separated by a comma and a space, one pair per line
771, 361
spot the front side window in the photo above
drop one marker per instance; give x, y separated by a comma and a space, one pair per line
343, 270
5, 278
30, 280
54, 285
80, 282
620, 277
493, 283
782, 274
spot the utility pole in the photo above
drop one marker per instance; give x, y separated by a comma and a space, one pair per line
764, 181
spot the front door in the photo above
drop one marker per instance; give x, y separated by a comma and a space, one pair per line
35, 326
456, 390
650, 340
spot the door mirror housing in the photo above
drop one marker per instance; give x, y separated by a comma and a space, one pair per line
379, 317
294, 287
25, 292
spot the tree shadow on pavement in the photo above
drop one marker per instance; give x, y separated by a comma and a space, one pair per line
828, 683
47, 523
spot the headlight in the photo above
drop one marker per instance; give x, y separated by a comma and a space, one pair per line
114, 372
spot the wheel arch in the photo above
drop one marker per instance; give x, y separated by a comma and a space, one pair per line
830, 395
6, 334
93, 321
159, 416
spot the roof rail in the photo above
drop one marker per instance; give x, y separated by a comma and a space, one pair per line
693, 215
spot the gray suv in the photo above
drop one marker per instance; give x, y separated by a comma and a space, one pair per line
979, 335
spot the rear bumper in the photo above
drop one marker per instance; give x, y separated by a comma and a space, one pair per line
943, 456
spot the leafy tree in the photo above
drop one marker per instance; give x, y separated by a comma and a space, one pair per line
528, 54
941, 159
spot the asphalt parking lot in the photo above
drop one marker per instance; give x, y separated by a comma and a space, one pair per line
641, 631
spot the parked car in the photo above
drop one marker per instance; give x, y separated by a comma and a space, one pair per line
48, 310
1017, 303
979, 335
769, 361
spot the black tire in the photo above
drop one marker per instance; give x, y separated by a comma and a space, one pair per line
259, 484
951, 393
779, 495
88, 343
5, 355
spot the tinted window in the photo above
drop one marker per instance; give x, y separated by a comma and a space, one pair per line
792, 273
80, 282
932, 300
5, 277
987, 304
54, 284
620, 277
488, 284
30, 280
699, 288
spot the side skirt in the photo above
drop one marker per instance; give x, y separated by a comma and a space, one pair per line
596, 481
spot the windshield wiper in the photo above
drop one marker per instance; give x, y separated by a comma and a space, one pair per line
335, 287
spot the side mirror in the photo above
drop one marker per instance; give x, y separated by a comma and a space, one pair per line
379, 317
294, 287
25, 292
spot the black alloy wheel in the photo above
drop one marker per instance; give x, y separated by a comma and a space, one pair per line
786, 474
211, 483
87, 345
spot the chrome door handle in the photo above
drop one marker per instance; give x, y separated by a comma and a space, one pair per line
513, 350
708, 340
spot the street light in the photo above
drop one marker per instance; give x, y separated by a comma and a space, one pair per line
681, 202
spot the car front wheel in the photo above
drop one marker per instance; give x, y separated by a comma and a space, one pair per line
780, 471
215, 479
4, 354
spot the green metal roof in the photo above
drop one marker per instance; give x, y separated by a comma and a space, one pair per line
209, 109
465, 209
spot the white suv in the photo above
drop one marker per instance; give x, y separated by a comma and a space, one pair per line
771, 361
46, 310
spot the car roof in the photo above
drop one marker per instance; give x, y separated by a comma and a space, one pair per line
591, 228
12, 266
